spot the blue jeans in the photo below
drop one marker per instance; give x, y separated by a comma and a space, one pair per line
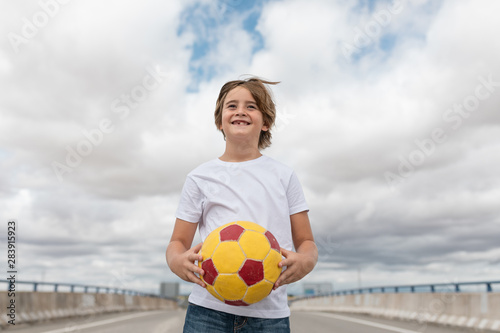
204, 320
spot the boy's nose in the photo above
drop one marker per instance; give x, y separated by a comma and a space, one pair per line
241, 112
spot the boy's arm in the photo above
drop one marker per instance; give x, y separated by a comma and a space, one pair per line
180, 257
298, 264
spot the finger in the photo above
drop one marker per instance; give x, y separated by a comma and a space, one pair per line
197, 269
190, 266
284, 252
197, 248
284, 263
281, 280
193, 278
195, 256
196, 272
288, 261
286, 280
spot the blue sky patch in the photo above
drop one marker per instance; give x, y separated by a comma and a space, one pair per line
387, 42
370, 4
204, 22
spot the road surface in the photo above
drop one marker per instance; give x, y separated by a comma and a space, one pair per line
172, 321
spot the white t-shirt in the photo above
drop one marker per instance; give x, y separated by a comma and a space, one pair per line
263, 191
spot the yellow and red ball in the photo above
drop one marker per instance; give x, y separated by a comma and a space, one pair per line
240, 261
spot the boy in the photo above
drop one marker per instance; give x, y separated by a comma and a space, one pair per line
242, 184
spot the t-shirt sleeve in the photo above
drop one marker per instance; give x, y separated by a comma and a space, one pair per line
190, 207
296, 199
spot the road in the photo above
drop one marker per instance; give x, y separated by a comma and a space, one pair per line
172, 321
312, 322
134, 322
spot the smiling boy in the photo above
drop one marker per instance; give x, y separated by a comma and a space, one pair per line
254, 188
241, 122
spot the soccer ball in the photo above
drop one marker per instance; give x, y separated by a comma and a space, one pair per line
240, 261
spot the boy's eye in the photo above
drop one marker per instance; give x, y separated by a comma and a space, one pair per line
234, 106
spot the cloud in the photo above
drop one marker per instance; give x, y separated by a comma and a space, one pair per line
396, 144
384, 108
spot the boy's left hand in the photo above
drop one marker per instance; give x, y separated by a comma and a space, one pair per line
297, 265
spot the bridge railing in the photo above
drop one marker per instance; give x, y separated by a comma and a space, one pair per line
411, 288
73, 287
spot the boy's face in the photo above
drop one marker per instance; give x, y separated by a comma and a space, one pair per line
241, 118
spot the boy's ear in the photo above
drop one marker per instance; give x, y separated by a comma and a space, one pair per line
265, 127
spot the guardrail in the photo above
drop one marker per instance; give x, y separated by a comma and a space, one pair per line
73, 287
413, 288
474, 305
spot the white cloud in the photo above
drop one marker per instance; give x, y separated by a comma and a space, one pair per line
343, 124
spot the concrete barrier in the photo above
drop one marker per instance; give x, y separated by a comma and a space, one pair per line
43, 306
480, 311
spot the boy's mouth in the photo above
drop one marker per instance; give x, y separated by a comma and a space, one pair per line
240, 122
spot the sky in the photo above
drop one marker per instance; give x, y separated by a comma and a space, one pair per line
388, 111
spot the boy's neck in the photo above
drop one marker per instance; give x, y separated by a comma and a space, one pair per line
239, 154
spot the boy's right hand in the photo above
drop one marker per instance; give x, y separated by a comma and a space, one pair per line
183, 265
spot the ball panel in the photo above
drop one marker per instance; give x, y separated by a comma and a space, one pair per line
230, 287
209, 245
272, 241
252, 272
210, 271
258, 292
231, 233
212, 291
271, 269
228, 257
255, 245
236, 303
252, 226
